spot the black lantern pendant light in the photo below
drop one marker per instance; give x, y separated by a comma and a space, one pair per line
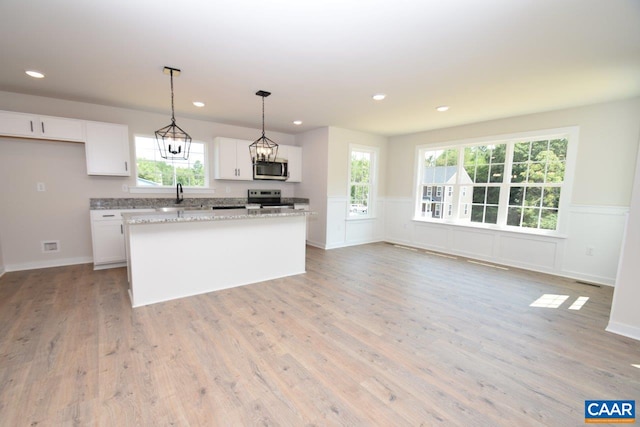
263, 149
173, 142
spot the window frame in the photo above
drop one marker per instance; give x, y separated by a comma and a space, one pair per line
373, 181
206, 188
572, 135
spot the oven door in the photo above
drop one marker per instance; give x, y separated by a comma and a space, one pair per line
271, 170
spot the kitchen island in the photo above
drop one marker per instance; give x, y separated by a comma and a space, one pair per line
189, 252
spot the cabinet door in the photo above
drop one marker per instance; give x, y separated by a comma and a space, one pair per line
295, 163
61, 129
17, 124
232, 160
224, 164
107, 149
108, 242
243, 160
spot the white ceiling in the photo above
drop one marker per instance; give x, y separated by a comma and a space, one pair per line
324, 59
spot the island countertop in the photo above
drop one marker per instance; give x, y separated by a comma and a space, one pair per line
188, 215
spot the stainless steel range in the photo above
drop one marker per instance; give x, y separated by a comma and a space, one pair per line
266, 198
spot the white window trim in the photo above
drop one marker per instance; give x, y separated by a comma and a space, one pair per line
373, 194
573, 133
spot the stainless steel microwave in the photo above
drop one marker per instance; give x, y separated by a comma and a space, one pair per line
277, 170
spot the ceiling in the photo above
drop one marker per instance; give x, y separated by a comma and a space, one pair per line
324, 59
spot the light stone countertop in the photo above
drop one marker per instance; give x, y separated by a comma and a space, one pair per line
133, 218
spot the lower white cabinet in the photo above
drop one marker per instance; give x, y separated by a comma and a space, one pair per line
107, 234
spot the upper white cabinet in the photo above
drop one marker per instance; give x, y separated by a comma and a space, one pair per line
107, 149
107, 144
41, 127
293, 155
232, 159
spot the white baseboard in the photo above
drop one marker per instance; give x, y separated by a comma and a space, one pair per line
2, 271
624, 330
46, 264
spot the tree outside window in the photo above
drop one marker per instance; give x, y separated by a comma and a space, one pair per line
516, 183
361, 179
153, 170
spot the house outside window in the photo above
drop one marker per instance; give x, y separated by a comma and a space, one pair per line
153, 170
362, 181
518, 182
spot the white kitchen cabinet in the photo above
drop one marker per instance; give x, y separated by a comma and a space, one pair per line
293, 155
107, 233
41, 127
107, 149
232, 159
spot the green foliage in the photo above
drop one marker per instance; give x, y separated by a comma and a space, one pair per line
163, 173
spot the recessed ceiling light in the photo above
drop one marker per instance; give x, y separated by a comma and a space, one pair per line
198, 104
297, 122
35, 74
442, 108
379, 96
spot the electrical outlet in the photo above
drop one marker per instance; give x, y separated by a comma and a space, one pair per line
125, 188
590, 250
227, 189
40, 186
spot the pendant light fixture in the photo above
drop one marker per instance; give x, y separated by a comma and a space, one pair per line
173, 142
263, 149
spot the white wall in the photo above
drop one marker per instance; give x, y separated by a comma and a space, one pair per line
625, 316
62, 212
608, 144
314, 182
342, 231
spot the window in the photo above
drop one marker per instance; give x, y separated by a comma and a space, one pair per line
153, 170
514, 183
362, 180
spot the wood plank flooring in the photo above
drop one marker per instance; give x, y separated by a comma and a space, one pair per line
370, 335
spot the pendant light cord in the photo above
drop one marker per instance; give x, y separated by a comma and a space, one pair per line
263, 116
173, 117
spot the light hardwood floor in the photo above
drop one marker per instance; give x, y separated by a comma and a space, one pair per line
370, 335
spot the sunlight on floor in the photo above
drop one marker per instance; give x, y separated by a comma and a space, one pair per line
577, 304
549, 301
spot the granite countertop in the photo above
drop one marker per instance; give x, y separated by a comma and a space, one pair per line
133, 218
190, 202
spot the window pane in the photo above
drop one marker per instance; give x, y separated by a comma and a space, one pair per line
530, 217
533, 196
551, 198
559, 148
549, 219
555, 169
497, 173
521, 152
515, 196
519, 172
536, 172
493, 195
478, 194
499, 153
476, 213
513, 216
482, 174
491, 215
152, 169
538, 151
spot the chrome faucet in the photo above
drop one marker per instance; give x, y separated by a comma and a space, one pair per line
179, 194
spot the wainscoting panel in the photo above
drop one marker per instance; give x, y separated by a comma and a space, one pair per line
589, 251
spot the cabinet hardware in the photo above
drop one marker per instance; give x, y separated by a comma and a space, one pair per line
105, 216
31, 123
42, 125
121, 229
126, 166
